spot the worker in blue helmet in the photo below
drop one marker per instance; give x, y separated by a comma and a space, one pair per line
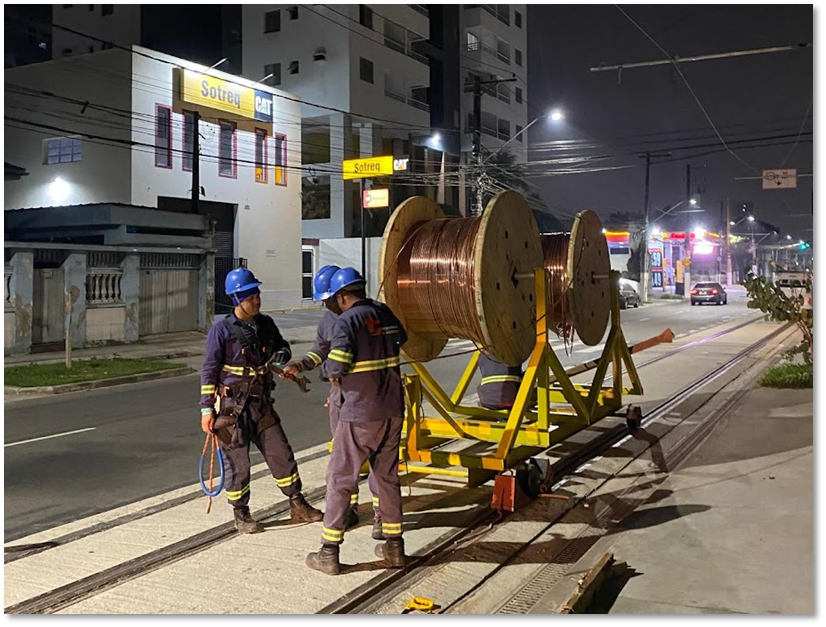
364, 360
314, 358
236, 382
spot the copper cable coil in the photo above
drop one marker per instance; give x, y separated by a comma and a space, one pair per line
555, 247
436, 278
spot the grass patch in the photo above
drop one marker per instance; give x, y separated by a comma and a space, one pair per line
670, 297
36, 375
799, 376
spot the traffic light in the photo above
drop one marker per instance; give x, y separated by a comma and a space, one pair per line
803, 245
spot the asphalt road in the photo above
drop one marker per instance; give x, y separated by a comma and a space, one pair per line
140, 440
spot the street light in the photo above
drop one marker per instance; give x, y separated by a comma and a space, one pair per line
261, 80
556, 115
751, 218
212, 67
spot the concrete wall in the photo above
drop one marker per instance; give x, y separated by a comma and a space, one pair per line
102, 174
347, 252
109, 315
105, 324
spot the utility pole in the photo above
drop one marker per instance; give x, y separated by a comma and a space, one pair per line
477, 134
728, 241
196, 163
477, 142
646, 261
687, 238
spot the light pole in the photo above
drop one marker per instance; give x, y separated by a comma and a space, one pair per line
556, 115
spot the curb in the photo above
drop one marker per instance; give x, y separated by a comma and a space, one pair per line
100, 383
122, 355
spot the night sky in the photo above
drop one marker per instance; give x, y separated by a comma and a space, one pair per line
745, 98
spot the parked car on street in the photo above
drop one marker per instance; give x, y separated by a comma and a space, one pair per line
628, 296
709, 293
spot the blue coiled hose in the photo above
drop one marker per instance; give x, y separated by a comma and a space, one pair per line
215, 447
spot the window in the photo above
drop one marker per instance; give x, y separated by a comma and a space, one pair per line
519, 95
518, 131
62, 150
107, 9
227, 166
517, 19
189, 135
504, 128
307, 273
293, 69
503, 13
320, 54
315, 197
472, 41
365, 70
281, 160
292, 13
518, 56
260, 155
272, 21
163, 136
275, 70
365, 16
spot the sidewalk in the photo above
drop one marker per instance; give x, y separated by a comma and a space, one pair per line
297, 327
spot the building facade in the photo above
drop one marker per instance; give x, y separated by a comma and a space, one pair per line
363, 87
495, 46
117, 127
201, 33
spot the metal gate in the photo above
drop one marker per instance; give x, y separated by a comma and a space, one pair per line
48, 313
223, 265
168, 293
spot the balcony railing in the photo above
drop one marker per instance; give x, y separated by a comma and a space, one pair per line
418, 8
406, 48
492, 10
394, 95
103, 286
418, 104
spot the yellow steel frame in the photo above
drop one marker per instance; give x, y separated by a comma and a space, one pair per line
562, 406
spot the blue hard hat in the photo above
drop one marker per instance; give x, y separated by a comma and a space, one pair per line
344, 278
240, 284
321, 282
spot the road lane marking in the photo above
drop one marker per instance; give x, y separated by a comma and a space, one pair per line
49, 437
644, 319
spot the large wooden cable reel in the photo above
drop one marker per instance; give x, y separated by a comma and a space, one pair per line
585, 283
506, 251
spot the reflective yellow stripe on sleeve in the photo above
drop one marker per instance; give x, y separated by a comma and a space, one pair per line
207, 389
315, 357
234, 496
333, 535
287, 481
342, 356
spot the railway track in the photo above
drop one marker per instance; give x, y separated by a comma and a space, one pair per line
386, 583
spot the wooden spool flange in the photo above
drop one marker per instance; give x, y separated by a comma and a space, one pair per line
588, 270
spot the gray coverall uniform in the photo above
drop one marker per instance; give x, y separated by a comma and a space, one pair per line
235, 374
364, 357
500, 383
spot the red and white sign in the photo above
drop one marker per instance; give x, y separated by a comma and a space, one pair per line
779, 179
376, 198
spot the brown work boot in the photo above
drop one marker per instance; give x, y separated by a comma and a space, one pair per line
377, 533
392, 552
325, 560
302, 511
352, 518
244, 522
